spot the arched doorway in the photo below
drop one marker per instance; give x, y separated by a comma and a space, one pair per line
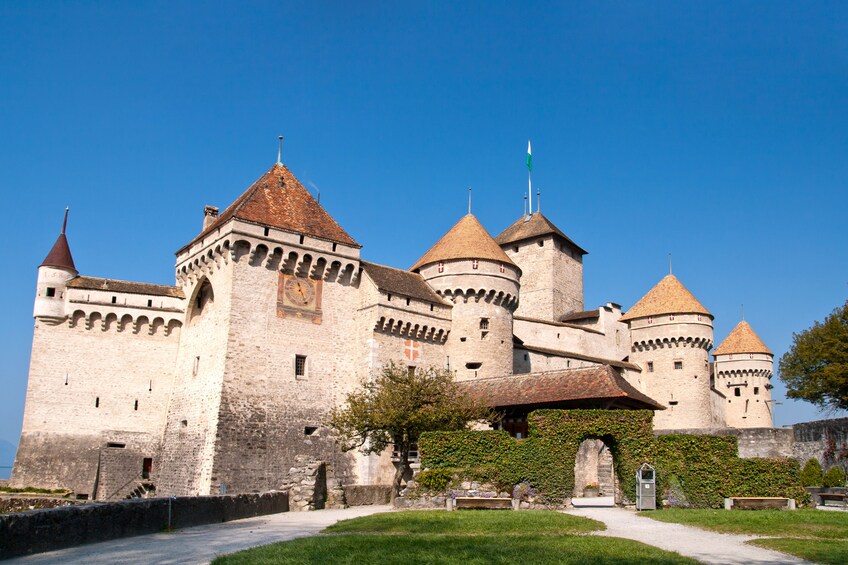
594, 465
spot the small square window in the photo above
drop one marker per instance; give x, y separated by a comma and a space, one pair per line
737, 391
650, 366
51, 292
678, 364
300, 366
484, 323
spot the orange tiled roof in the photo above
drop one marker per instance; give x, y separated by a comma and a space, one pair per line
401, 282
564, 386
277, 199
531, 226
669, 296
468, 239
743, 339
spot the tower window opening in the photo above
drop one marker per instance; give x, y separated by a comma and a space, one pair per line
146, 467
557, 336
51, 292
750, 356
441, 266
678, 364
97, 402
335, 245
149, 303
650, 366
135, 406
389, 297
266, 232
568, 363
196, 366
475, 263
300, 366
310, 430
431, 307
699, 317
484, 323
502, 268
515, 249
541, 243
737, 392
756, 390
672, 403
114, 300
302, 239
407, 301
650, 319
671, 316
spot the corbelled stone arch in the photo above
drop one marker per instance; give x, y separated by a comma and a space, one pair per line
201, 301
240, 248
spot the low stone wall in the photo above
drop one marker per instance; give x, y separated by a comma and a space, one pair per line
36, 531
365, 495
825, 440
23, 503
753, 442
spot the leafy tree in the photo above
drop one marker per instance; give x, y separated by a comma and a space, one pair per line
835, 477
815, 368
811, 474
398, 406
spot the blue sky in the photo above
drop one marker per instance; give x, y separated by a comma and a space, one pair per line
715, 131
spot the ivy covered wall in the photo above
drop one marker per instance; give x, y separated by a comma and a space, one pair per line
697, 471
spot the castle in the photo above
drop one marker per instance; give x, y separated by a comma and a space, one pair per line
222, 381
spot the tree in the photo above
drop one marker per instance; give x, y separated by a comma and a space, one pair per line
815, 368
398, 406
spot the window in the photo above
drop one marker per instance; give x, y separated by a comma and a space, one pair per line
756, 390
502, 268
97, 402
300, 366
146, 467
441, 266
302, 238
135, 406
149, 303
407, 301
650, 366
678, 364
266, 232
410, 371
515, 249
334, 246
196, 366
116, 445
484, 323
671, 316
310, 430
650, 319
431, 307
51, 292
114, 300
389, 297
737, 391
541, 243
475, 263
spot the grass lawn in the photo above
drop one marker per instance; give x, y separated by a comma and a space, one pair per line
802, 523
813, 535
461, 538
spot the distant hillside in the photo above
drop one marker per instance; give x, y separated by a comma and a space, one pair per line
7, 457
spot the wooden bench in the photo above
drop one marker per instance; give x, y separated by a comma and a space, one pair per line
759, 503
839, 498
480, 503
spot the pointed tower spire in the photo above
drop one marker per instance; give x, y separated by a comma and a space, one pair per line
280, 151
60, 253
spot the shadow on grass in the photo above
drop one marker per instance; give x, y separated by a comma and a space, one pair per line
365, 549
826, 551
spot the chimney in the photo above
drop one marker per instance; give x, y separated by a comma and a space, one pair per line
210, 214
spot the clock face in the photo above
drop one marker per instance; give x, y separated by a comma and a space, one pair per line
300, 291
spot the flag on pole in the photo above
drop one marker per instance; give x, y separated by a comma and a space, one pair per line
529, 158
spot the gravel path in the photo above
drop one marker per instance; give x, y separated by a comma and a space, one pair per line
201, 544
706, 547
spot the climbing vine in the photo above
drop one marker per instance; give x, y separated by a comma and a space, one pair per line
705, 469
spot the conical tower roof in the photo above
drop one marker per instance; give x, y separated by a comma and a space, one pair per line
534, 225
468, 239
743, 339
277, 199
60, 254
669, 296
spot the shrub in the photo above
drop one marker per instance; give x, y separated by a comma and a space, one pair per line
434, 480
835, 477
811, 474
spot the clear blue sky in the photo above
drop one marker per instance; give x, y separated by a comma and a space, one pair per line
716, 131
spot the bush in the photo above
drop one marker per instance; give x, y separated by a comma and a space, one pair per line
434, 480
811, 474
835, 477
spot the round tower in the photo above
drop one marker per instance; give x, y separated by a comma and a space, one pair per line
468, 268
671, 334
743, 368
53, 276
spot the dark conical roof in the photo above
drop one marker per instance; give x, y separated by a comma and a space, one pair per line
60, 254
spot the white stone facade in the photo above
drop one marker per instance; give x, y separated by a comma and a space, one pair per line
224, 380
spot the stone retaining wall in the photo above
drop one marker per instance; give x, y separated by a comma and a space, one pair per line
36, 531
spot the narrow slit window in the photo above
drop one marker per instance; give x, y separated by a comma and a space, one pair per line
300, 366
135, 406
149, 303
441, 267
114, 300
97, 402
737, 391
267, 231
650, 366
475, 263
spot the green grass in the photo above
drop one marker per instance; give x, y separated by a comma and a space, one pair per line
802, 523
827, 551
468, 522
33, 490
457, 538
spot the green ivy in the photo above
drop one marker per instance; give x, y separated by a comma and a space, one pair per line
706, 468
812, 474
835, 477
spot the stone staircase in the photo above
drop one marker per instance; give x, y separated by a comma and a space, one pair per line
606, 476
143, 490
